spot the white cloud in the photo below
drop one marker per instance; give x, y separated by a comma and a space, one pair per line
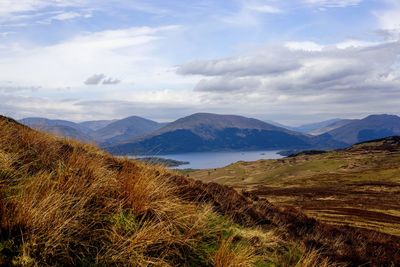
126, 53
65, 16
250, 13
355, 44
332, 3
304, 46
389, 19
9, 7
263, 8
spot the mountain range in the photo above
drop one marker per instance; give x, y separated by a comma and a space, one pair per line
212, 132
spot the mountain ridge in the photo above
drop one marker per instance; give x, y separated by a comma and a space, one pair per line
369, 128
214, 132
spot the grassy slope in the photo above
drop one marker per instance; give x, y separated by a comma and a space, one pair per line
65, 203
358, 187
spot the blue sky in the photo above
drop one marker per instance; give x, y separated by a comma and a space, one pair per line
291, 61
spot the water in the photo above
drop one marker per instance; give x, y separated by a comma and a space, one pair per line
210, 160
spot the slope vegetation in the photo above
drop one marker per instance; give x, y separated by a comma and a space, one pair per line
359, 186
67, 204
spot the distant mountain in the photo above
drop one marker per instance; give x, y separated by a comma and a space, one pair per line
96, 125
369, 128
212, 132
308, 128
291, 128
125, 129
103, 131
60, 127
330, 127
69, 132
202, 123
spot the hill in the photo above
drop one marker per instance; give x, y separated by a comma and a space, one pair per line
358, 186
125, 129
96, 125
329, 127
369, 128
63, 203
102, 131
211, 132
307, 128
60, 127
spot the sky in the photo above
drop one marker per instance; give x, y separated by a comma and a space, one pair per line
290, 61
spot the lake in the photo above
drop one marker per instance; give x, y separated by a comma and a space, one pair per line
210, 160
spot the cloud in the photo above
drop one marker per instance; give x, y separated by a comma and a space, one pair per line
263, 8
9, 7
332, 3
109, 81
129, 52
305, 46
389, 20
349, 70
95, 79
65, 16
250, 13
228, 84
266, 64
13, 89
355, 44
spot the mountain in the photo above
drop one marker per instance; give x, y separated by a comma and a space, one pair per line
60, 127
211, 132
96, 125
307, 128
101, 131
369, 128
330, 127
277, 124
125, 129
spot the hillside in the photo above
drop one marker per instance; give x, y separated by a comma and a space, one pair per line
307, 128
60, 127
96, 125
329, 127
67, 204
369, 128
358, 186
211, 132
64, 203
125, 129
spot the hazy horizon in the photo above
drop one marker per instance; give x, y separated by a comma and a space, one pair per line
292, 62
278, 123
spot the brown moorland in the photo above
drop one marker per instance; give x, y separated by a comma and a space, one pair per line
359, 186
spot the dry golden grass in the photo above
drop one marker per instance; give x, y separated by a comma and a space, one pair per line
230, 254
